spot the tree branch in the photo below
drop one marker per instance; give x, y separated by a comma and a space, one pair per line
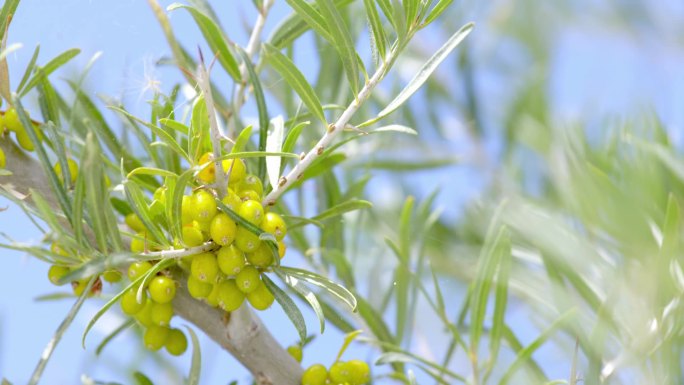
333, 130
243, 334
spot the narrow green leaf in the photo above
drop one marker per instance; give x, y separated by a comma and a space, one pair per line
136, 199
129, 322
407, 357
196, 365
29, 68
49, 68
424, 73
287, 69
500, 305
50, 348
242, 139
216, 39
293, 135
306, 293
377, 30
411, 8
290, 308
348, 339
151, 171
333, 288
311, 16
402, 165
294, 26
177, 126
9, 7
525, 354
342, 41
342, 208
274, 143
438, 9
142, 379
91, 172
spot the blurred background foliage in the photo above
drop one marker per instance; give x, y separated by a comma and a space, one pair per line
540, 240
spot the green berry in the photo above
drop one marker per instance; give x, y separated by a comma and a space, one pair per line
11, 120
232, 200
197, 288
25, 141
138, 242
251, 182
161, 313
229, 295
204, 267
79, 286
246, 195
56, 272
3, 161
213, 299
112, 276
339, 374
186, 209
162, 289
192, 235
73, 170
176, 342
155, 337
57, 249
252, 211
129, 302
204, 206
137, 269
236, 168
208, 173
222, 229
315, 375
274, 224
261, 257
282, 248
246, 240
230, 260
144, 316
261, 298
296, 352
133, 221
248, 280
359, 372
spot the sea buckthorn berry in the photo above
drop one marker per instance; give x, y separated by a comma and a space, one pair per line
3, 161
248, 280
57, 249
296, 352
204, 267
232, 200
176, 342
204, 206
230, 260
261, 298
137, 269
339, 374
134, 223
25, 141
197, 288
315, 375
129, 302
246, 240
251, 182
359, 372
112, 276
162, 289
213, 298
155, 337
204, 227
11, 120
236, 168
138, 242
186, 209
282, 248
192, 235
274, 224
56, 272
157, 208
222, 229
262, 256
229, 295
73, 170
79, 286
247, 195
160, 194
252, 211
161, 313
144, 316
208, 174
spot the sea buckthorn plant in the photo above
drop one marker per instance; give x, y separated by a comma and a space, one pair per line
192, 219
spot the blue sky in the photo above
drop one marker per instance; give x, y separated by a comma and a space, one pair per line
598, 70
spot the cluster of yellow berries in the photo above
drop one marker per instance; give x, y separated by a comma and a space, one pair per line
353, 372
9, 121
57, 271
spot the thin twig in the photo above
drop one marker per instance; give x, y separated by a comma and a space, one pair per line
333, 130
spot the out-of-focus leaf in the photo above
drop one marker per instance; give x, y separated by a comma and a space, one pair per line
196, 365
274, 143
342, 41
49, 68
242, 139
290, 308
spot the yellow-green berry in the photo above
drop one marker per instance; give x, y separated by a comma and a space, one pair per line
274, 224
262, 256
261, 298
155, 337
144, 316
315, 374
296, 352
232, 200
339, 374
162, 289
230, 260
222, 229
251, 182
73, 170
161, 313
252, 211
3, 160
176, 342
236, 168
198, 289
56, 272
229, 296
213, 299
204, 206
192, 235
137, 269
133, 221
248, 280
204, 267
246, 195
359, 372
246, 240
208, 174
186, 209
129, 302
112, 276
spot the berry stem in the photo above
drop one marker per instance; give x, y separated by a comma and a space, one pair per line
178, 253
331, 133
